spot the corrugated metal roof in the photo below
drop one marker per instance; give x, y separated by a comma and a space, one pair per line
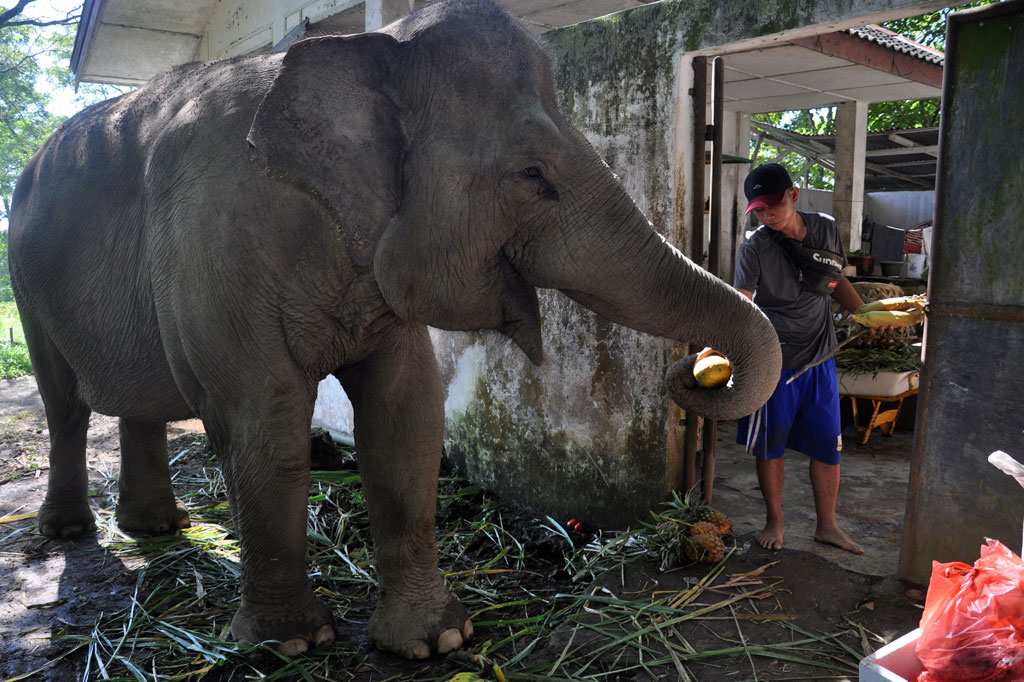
886, 38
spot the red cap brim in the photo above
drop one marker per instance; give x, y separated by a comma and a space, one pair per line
764, 201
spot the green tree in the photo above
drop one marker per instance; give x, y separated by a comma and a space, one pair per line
24, 121
930, 29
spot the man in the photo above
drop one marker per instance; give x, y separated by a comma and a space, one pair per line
802, 415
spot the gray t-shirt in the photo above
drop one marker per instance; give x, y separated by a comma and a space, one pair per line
802, 320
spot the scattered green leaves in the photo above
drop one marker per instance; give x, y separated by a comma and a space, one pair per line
547, 603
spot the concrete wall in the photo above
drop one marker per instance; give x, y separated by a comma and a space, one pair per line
899, 209
970, 404
819, 200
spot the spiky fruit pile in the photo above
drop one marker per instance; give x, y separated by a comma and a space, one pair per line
719, 520
689, 529
706, 548
704, 528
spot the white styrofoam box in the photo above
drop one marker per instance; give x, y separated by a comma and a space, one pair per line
881, 384
895, 662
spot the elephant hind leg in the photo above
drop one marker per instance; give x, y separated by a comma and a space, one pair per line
65, 511
145, 500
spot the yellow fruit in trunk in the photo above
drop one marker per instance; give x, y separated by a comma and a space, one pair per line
712, 370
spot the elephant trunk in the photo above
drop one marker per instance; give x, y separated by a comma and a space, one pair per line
627, 273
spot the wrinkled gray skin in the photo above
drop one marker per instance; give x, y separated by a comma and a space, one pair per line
218, 241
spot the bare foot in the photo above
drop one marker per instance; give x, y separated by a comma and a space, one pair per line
771, 537
838, 538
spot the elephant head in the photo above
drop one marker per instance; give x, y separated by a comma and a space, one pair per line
472, 190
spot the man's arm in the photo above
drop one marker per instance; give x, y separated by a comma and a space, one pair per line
845, 295
748, 294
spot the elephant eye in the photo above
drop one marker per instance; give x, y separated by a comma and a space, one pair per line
544, 188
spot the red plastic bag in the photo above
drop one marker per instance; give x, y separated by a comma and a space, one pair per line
972, 628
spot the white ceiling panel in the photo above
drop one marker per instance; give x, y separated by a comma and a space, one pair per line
784, 103
780, 60
762, 87
896, 91
844, 78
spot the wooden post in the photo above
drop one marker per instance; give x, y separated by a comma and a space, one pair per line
710, 435
700, 97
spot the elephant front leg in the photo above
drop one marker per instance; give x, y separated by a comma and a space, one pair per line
145, 499
399, 425
263, 446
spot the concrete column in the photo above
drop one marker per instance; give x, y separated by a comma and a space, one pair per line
380, 13
848, 195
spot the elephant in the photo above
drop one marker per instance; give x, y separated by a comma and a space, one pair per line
216, 242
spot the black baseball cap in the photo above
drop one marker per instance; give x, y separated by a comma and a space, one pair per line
766, 185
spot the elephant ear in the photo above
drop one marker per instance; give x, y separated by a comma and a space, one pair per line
331, 122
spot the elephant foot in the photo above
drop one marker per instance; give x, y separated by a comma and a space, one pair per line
162, 519
65, 520
297, 630
415, 627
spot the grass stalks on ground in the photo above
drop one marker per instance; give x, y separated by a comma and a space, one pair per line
546, 604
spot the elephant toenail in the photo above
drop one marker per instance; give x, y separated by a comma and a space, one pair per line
467, 630
417, 649
325, 635
293, 647
450, 640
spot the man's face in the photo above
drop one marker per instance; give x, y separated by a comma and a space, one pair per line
780, 214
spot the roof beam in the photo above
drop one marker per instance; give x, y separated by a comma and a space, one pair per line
845, 46
930, 149
795, 142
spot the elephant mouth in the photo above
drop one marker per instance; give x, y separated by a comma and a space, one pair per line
520, 311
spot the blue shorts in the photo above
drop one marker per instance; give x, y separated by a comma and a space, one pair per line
803, 416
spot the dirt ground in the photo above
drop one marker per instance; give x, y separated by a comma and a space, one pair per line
52, 590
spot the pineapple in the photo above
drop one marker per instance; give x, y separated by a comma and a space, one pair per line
707, 549
721, 522
703, 528
716, 518
688, 529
